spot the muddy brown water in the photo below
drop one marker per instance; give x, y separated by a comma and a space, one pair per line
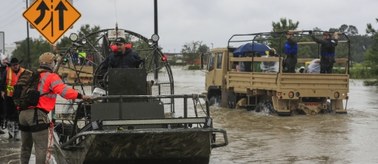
263, 138
326, 138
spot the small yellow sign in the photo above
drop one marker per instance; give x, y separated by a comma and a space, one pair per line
52, 18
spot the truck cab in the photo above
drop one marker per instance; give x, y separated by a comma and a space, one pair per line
216, 71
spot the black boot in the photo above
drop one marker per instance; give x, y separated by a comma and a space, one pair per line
2, 126
10, 127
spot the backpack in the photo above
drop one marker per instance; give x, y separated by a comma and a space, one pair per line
26, 92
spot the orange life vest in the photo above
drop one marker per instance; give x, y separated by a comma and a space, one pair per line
11, 80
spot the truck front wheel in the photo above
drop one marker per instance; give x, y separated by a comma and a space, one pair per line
214, 96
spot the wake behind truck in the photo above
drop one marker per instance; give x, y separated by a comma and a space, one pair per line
244, 75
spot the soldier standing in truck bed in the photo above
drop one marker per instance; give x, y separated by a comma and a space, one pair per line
291, 50
327, 51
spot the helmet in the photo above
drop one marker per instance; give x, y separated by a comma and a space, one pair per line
46, 58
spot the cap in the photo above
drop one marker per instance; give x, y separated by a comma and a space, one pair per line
15, 61
46, 58
120, 40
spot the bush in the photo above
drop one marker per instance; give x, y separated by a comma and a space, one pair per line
358, 71
194, 67
371, 82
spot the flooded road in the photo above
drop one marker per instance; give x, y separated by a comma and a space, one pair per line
262, 138
327, 138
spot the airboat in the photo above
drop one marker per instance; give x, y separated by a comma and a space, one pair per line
134, 116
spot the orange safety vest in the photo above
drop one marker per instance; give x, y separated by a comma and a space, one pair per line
11, 80
50, 84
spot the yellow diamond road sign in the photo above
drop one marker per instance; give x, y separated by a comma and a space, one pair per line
52, 18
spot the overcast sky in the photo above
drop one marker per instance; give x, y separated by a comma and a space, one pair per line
210, 21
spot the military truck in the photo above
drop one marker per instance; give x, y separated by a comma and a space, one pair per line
274, 90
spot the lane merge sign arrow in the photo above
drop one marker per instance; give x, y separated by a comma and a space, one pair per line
52, 18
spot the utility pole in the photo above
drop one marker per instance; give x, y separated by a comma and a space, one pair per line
28, 61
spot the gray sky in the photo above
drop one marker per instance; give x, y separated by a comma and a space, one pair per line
210, 21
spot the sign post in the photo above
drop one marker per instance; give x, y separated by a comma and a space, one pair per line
2, 43
52, 18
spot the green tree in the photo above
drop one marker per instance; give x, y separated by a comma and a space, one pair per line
192, 51
37, 47
87, 29
348, 29
64, 44
84, 30
371, 55
282, 25
359, 45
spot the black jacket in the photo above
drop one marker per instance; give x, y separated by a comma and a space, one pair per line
327, 46
129, 59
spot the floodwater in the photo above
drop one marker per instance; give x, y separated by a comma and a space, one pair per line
262, 138
326, 138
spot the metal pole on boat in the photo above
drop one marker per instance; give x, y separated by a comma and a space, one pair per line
156, 58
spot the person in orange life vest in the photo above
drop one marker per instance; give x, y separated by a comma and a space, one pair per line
10, 77
122, 56
34, 121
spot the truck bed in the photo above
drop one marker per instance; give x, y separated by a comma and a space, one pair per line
306, 84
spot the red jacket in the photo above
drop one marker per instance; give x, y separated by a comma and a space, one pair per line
52, 84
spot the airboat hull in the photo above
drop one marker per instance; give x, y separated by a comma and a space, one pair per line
139, 146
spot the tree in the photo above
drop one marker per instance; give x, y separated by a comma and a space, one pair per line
192, 51
370, 29
284, 25
359, 45
64, 44
281, 26
348, 29
37, 47
86, 29
371, 55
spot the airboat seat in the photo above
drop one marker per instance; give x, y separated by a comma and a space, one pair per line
127, 81
127, 110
